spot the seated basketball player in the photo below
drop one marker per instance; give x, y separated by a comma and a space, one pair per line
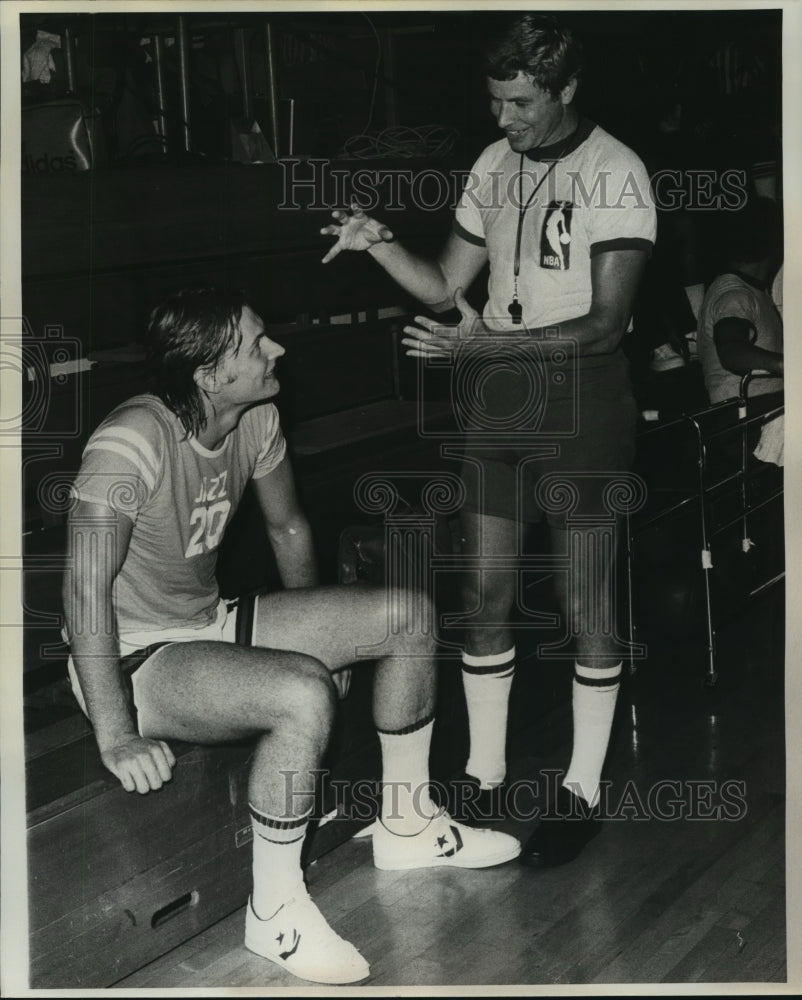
153, 650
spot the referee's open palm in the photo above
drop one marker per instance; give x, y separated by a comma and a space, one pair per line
432, 339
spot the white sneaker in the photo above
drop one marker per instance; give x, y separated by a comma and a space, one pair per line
443, 843
664, 358
298, 939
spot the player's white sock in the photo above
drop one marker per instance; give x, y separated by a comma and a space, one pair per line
277, 873
594, 695
406, 805
487, 681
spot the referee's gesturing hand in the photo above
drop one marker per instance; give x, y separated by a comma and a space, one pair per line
430, 338
355, 230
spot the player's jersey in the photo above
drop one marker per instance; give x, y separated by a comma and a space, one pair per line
596, 198
180, 496
733, 296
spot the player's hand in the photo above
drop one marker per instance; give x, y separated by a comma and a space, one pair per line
431, 339
355, 231
142, 765
342, 681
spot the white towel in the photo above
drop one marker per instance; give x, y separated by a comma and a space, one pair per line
37, 62
770, 447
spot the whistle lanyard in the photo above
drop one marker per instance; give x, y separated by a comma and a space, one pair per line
515, 309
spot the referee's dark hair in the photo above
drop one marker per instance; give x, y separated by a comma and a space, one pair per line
191, 329
540, 46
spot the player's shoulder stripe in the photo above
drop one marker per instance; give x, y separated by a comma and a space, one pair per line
131, 447
132, 437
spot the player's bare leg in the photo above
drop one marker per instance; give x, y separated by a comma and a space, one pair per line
214, 692
336, 624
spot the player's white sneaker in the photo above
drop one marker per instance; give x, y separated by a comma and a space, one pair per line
298, 939
443, 843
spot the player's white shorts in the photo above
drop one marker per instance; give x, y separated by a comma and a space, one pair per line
234, 623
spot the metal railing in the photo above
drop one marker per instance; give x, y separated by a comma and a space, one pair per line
711, 430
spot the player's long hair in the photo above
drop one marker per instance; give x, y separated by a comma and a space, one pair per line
191, 329
541, 47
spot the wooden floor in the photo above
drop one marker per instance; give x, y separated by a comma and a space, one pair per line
650, 901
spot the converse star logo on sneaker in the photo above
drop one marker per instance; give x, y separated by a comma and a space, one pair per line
443, 841
296, 940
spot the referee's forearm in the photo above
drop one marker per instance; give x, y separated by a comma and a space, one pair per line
420, 277
593, 335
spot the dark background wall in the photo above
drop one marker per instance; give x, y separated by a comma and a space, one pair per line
382, 91
351, 73
373, 93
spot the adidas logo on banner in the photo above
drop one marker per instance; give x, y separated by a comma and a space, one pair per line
47, 164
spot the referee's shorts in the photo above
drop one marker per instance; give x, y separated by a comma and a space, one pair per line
584, 433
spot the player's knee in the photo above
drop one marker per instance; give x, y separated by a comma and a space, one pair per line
310, 694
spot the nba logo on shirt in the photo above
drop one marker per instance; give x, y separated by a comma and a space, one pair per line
555, 236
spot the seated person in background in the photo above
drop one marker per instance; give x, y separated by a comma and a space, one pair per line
667, 308
741, 329
152, 644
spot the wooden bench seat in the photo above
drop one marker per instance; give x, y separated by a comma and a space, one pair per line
116, 878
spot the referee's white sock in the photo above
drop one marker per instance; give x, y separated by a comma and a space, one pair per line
487, 681
594, 696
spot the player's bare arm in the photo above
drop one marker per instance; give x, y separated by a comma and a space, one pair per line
287, 527
291, 539
141, 765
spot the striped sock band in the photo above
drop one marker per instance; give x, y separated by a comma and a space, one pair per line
498, 664
598, 677
595, 691
487, 681
277, 873
278, 831
406, 806
406, 730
